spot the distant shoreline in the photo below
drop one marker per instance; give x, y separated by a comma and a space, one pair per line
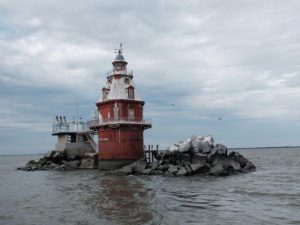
265, 147
26, 154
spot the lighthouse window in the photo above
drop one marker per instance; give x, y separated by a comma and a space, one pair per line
130, 93
116, 112
104, 94
118, 66
131, 114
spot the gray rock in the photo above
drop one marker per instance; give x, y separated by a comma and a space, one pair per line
90, 155
147, 171
88, 163
34, 167
49, 154
219, 149
52, 166
231, 160
164, 167
200, 168
169, 174
156, 172
173, 169
182, 172
157, 155
245, 164
125, 170
248, 167
22, 168
58, 157
219, 165
138, 167
218, 170
241, 159
71, 164
234, 165
62, 166
188, 169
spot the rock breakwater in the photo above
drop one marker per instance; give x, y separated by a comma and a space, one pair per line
59, 160
197, 155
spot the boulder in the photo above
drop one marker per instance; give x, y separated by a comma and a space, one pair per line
218, 170
182, 172
248, 167
89, 161
147, 171
49, 154
53, 166
199, 155
22, 168
137, 168
156, 172
199, 168
172, 169
173, 148
231, 160
188, 168
183, 146
88, 164
220, 149
157, 155
58, 160
125, 170
202, 144
71, 164
169, 174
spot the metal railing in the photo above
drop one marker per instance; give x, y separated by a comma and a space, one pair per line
126, 120
58, 127
149, 153
121, 72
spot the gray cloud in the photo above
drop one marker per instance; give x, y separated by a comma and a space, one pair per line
237, 59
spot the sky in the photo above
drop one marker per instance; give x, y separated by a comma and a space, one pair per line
193, 61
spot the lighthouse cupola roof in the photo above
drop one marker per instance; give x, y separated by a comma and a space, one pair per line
119, 57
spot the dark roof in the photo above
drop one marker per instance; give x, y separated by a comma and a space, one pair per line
119, 57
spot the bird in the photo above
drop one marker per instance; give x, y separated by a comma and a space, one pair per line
219, 118
173, 104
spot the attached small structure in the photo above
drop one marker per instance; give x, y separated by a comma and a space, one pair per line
75, 138
121, 122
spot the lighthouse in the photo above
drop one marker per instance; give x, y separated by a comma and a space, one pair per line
121, 123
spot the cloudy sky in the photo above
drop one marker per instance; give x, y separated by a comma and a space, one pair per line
193, 62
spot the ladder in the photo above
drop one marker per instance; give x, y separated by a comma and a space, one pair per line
91, 141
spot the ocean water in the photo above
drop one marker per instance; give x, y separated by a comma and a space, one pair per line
271, 195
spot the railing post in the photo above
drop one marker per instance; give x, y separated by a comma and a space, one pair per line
149, 153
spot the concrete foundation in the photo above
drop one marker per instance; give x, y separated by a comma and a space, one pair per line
113, 164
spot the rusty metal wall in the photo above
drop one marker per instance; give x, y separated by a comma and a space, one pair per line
121, 143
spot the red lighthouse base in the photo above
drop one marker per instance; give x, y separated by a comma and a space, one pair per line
120, 146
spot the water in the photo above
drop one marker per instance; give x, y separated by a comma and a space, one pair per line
271, 195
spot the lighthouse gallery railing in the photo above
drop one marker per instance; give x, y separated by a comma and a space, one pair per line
58, 127
126, 120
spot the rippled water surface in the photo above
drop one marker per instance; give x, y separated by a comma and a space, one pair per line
271, 195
